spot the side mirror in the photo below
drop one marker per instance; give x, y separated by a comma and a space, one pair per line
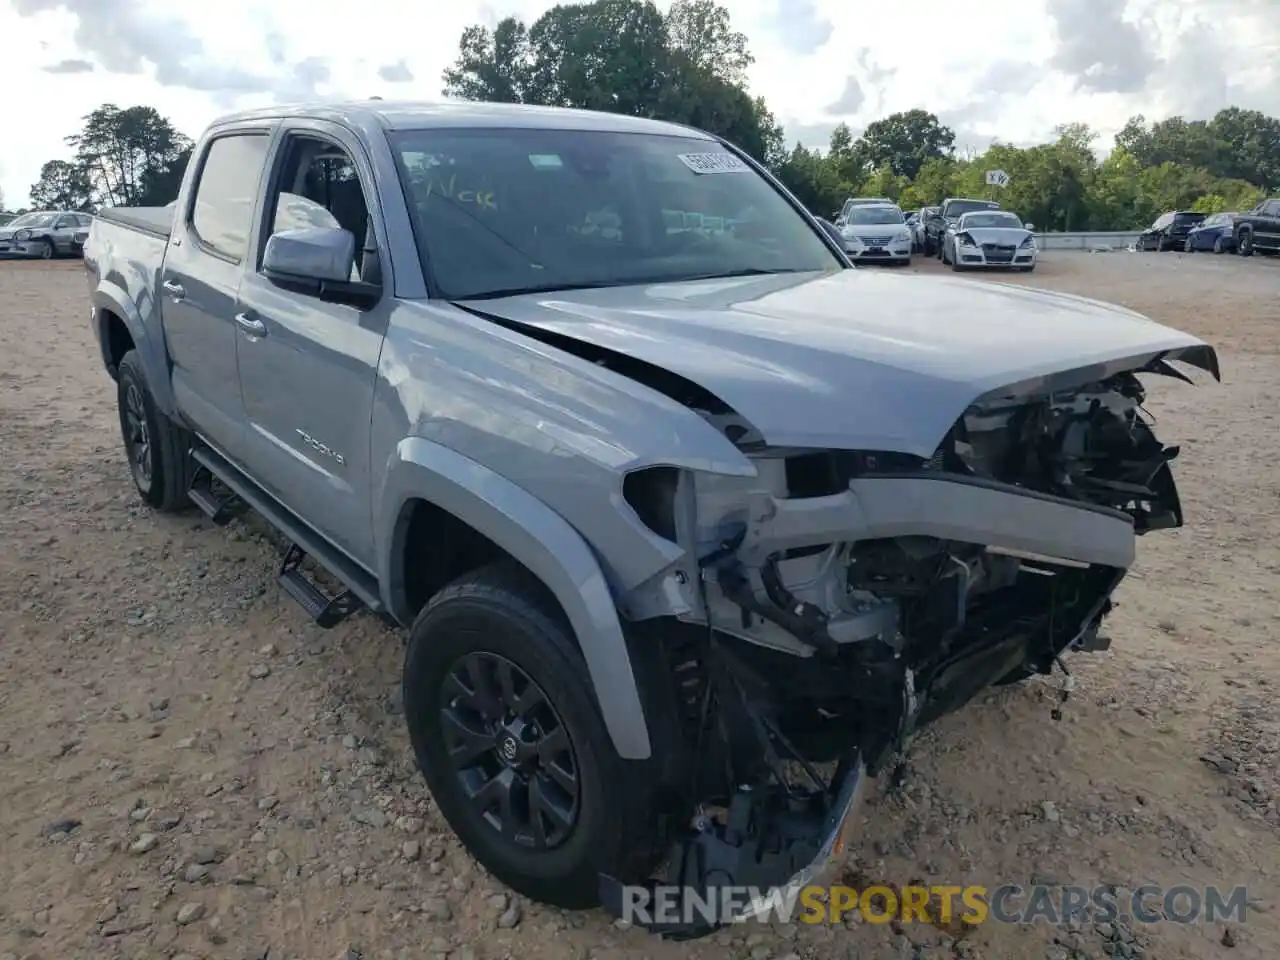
1030, 226
323, 254
317, 262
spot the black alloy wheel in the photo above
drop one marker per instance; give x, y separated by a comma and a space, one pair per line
137, 436
510, 751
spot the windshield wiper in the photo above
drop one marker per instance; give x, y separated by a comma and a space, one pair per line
542, 288
620, 282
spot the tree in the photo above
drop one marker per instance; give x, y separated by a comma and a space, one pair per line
623, 56
700, 29
1252, 146
127, 154
904, 141
62, 186
491, 66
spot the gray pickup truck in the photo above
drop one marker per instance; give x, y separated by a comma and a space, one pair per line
691, 523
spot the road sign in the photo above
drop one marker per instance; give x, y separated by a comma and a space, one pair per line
997, 178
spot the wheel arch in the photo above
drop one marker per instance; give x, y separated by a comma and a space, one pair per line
423, 475
119, 326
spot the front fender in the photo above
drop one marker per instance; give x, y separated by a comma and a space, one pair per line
537, 537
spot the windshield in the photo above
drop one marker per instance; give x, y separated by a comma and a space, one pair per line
875, 215
993, 219
500, 211
958, 208
1218, 219
32, 220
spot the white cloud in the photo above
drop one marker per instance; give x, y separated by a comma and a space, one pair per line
991, 77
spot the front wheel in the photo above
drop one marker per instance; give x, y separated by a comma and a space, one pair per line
1217, 245
1244, 245
47, 252
156, 446
508, 736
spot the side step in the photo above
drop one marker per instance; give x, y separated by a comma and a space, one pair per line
221, 510
326, 611
361, 587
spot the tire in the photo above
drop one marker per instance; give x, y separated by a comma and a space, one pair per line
1187, 247
157, 448
47, 251
1244, 243
501, 616
1217, 244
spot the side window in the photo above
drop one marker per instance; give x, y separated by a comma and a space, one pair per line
64, 223
223, 211
85, 220
1273, 208
318, 186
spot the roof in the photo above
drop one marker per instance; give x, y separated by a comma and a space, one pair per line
423, 115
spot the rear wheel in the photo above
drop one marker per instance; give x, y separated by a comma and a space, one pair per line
156, 447
508, 736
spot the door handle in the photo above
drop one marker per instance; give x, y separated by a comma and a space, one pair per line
174, 289
254, 328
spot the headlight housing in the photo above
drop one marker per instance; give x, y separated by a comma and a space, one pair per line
1030, 241
22, 234
964, 240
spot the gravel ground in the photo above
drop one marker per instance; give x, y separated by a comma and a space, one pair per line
191, 769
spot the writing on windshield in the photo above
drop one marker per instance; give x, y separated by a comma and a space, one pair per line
506, 209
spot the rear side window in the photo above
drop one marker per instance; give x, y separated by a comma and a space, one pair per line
223, 212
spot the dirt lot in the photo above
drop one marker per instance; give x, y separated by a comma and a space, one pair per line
191, 768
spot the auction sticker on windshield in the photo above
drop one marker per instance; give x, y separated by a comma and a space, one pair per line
713, 163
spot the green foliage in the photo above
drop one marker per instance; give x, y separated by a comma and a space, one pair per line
62, 186
690, 67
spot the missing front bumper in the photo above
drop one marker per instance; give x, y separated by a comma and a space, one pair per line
755, 864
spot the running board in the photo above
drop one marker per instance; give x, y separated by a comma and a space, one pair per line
220, 510
325, 610
358, 582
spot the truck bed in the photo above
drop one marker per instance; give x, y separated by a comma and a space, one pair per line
157, 221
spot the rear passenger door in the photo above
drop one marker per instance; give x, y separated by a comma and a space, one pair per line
200, 282
308, 366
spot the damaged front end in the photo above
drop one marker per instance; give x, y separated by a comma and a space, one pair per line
840, 600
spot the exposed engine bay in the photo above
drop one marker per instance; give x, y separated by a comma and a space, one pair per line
847, 598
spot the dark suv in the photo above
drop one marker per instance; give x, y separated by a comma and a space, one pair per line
1170, 230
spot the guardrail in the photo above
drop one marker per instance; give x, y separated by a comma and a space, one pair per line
1087, 240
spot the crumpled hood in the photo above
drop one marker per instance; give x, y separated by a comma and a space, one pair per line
855, 359
6, 233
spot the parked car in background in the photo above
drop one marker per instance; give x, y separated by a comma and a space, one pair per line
922, 217
1216, 233
876, 233
990, 238
912, 219
1259, 229
842, 217
948, 215
1170, 230
45, 234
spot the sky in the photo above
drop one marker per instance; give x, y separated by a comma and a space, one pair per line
1007, 71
